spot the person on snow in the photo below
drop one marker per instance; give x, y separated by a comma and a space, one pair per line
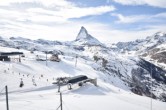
21, 83
34, 83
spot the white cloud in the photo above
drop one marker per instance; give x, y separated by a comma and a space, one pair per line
112, 35
47, 3
138, 18
162, 15
65, 13
50, 20
62, 32
155, 3
129, 19
60, 11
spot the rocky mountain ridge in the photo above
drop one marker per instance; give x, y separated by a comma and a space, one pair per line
153, 48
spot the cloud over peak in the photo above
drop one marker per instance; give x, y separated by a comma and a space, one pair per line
155, 18
154, 3
50, 10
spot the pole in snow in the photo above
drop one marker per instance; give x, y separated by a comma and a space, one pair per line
7, 104
76, 61
151, 88
59, 86
19, 58
46, 58
61, 100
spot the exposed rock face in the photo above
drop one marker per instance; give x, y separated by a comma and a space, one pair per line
159, 57
156, 72
147, 78
84, 38
83, 34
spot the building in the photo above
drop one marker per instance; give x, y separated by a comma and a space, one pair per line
5, 56
77, 79
55, 57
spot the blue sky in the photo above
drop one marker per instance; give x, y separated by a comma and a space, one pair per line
107, 20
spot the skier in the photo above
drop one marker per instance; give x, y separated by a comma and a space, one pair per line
33, 80
21, 83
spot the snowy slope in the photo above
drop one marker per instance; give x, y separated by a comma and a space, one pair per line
108, 95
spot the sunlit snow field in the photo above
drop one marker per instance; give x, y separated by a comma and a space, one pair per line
45, 96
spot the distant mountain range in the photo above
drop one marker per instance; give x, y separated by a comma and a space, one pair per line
152, 48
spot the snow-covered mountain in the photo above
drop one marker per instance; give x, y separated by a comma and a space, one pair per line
153, 48
120, 70
142, 45
84, 38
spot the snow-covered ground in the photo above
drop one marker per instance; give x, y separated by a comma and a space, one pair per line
110, 94
85, 98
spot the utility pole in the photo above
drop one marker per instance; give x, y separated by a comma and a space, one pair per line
59, 86
151, 87
76, 61
61, 100
19, 58
46, 58
7, 104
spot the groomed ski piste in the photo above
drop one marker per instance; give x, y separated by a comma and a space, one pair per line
110, 94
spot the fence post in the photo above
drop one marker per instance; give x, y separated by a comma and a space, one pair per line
61, 100
7, 104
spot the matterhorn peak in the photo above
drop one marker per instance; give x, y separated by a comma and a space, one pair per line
83, 34
84, 38
83, 28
